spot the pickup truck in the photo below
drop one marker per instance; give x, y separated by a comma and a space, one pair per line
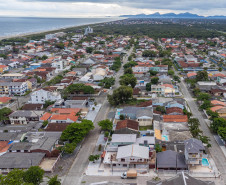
130, 174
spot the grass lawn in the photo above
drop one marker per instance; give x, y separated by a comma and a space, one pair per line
142, 128
135, 101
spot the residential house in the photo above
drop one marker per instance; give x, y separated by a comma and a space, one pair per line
3, 68
13, 88
9, 161
144, 115
41, 95
206, 86
175, 118
127, 127
130, 156
170, 160
123, 139
13, 76
194, 151
25, 116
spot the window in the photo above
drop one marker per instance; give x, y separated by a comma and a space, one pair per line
124, 165
122, 160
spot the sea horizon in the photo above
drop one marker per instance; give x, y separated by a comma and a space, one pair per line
19, 26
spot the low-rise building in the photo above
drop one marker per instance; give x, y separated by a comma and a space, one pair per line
25, 116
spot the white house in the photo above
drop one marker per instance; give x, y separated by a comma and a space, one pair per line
40, 96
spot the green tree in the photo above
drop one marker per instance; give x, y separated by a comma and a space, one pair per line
206, 104
54, 180
202, 76
212, 114
222, 132
203, 96
4, 114
128, 70
14, 177
107, 82
220, 69
60, 45
161, 109
93, 158
153, 73
176, 78
106, 125
78, 88
158, 148
128, 79
194, 127
217, 123
75, 132
45, 123
196, 91
33, 175
148, 86
149, 53
120, 95
154, 80
89, 49
48, 103
130, 64
171, 72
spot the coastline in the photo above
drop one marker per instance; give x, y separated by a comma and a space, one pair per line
54, 30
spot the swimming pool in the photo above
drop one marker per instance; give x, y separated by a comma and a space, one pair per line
205, 162
165, 137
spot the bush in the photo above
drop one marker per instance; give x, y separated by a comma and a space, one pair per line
99, 148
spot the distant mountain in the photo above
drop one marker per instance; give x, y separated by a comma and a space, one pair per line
173, 15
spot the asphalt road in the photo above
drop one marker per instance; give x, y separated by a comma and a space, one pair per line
215, 151
76, 172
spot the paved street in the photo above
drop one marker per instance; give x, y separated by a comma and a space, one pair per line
80, 164
215, 151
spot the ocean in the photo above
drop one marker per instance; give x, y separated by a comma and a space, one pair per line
11, 26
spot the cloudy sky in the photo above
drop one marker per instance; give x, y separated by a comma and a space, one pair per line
101, 8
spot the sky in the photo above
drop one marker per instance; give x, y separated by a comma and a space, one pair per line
102, 8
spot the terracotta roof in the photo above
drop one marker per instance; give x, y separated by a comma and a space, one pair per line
128, 124
145, 104
5, 99
64, 117
214, 109
219, 75
175, 118
168, 85
174, 109
216, 102
3, 66
32, 107
65, 110
46, 116
191, 74
4, 146
56, 127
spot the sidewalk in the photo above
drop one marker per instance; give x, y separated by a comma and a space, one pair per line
93, 113
220, 143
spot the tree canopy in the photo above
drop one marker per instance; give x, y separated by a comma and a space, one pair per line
128, 79
120, 95
154, 80
78, 88
33, 175
202, 76
75, 132
106, 125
